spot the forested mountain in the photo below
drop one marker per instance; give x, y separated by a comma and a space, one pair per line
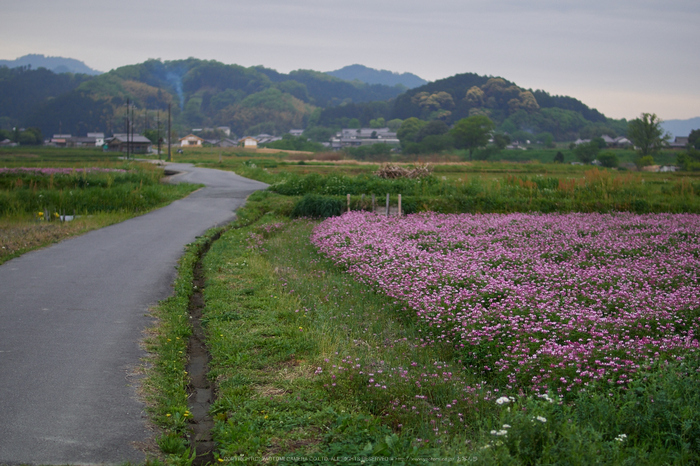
371, 76
207, 93
55, 64
517, 111
202, 93
23, 89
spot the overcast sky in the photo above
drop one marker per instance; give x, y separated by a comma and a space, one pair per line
622, 57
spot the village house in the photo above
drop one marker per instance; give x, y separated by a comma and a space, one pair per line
619, 141
249, 142
351, 137
136, 144
191, 141
680, 142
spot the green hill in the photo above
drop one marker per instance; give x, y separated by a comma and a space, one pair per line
202, 94
520, 112
207, 93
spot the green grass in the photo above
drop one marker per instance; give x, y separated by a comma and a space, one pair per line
165, 386
270, 322
276, 312
54, 157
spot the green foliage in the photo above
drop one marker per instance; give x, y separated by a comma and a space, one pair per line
559, 157
689, 161
22, 89
31, 137
655, 421
409, 130
587, 152
377, 123
86, 193
647, 134
645, 161
694, 139
340, 185
315, 206
608, 159
472, 132
320, 133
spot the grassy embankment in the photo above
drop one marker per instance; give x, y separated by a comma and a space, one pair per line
102, 190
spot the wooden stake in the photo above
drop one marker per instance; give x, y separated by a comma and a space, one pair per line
387, 204
399, 205
348, 203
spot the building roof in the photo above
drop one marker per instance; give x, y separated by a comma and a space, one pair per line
135, 139
190, 137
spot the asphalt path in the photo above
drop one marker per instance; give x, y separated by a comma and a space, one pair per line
71, 319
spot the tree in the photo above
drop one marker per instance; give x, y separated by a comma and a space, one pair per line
559, 157
501, 141
409, 129
646, 134
586, 153
472, 132
609, 159
433, 128
694, 139
30, 137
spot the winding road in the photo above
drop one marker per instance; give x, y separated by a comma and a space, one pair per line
71, 319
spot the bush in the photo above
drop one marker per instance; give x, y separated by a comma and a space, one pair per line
315, 206
645, 161
586, 153
608, 159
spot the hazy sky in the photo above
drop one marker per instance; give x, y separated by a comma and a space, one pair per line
622, 57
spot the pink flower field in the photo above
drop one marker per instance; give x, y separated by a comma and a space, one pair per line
532, 301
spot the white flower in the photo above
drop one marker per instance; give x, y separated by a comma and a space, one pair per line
541, 419
503, 400
621, 437
499, 432
506, 426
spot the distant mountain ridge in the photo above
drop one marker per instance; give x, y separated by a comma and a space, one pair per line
254, 100
681, 128
55, 64
372, 76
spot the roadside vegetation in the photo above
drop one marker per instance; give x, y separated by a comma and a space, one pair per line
312, 362
50, 194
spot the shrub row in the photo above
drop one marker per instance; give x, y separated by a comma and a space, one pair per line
318, 206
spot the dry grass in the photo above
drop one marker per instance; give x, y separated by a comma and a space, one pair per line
18, 236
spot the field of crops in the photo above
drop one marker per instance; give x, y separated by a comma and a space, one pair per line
543, 303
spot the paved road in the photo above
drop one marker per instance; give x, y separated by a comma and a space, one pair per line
71, 317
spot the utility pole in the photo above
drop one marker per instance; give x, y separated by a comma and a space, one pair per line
158, 131
170, 157
127, 129
133, 124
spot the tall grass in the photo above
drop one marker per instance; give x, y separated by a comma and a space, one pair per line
132, 188
594, 190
